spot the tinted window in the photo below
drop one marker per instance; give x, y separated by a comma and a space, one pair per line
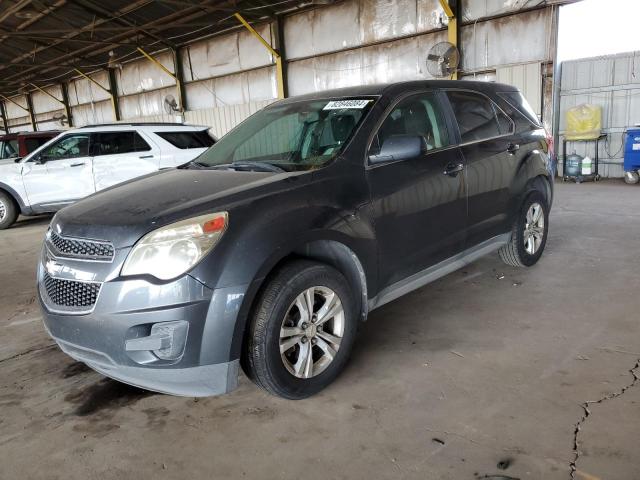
69, 146
415, 115
517, 101
8, 148
113, 143
34, 143
476, 117
185, 140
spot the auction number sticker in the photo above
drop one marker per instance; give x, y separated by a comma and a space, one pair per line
340, 104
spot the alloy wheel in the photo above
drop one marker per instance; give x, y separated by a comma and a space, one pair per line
534, 228
3, 210
311, 332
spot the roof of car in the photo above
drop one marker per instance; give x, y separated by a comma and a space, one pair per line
41, 133
397, 88
154, 126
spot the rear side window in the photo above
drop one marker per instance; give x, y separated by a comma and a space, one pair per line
8, 148
477, 117
518, 102
185, 140
113, 143
34, 143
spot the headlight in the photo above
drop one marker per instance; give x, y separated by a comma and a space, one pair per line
172, 250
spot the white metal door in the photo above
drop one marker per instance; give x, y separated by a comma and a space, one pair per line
61, 173
122, 156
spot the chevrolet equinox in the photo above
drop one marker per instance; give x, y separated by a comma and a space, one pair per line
267, 250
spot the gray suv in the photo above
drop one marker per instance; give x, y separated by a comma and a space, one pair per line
266, 251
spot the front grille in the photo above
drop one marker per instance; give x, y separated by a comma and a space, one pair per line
71, 295
78, 248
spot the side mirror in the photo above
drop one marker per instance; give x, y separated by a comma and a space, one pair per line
399, 147
17, 159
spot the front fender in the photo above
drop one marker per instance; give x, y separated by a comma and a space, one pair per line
247, 255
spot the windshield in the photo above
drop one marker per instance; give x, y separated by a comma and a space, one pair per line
296, 136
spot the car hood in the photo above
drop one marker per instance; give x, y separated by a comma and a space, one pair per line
124, 213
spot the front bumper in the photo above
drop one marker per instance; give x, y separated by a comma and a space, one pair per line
126, 310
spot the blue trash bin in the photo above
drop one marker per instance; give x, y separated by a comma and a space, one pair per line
632, 150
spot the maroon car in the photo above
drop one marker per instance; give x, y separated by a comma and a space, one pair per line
18, 145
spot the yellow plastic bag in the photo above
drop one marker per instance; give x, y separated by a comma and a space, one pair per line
584, 122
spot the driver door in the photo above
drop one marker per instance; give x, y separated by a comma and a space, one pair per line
60, 174
419, 203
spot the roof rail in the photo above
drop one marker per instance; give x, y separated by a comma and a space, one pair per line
135, 124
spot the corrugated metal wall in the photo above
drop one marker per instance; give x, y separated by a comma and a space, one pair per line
613, 83
347, 43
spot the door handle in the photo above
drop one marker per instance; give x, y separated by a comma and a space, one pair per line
145, 156
512, 148
77, 164
453, 169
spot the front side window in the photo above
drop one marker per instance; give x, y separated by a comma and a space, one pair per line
114, 143
477, 117
69, 146
295, 136
417, 115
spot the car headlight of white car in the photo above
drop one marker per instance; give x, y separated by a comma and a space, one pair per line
172, 250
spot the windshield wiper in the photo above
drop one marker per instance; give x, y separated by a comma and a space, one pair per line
263, 166
248, 165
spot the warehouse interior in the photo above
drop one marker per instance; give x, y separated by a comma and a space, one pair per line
490, 372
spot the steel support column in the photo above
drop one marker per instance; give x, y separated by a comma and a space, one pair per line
179, 91
3, 112
26, 109
32, 116
112, 91
280, 77
452, 11
65, 102
177, 67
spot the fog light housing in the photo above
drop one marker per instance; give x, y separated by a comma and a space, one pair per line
175, 339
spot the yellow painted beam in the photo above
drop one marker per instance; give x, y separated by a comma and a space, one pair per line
168, 72
162, 67
16, 104
114, 105
447, 9
93, 81
272, 51
452, 29
47, 93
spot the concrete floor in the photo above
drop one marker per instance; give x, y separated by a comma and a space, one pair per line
483, 374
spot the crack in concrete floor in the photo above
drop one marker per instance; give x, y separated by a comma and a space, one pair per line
587, 414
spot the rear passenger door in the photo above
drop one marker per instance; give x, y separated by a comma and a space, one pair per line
122, 156
488, 146
419, 203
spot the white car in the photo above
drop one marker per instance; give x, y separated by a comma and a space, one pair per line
84, 160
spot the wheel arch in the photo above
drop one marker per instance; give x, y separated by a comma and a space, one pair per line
14, 196
329, 251
532, 175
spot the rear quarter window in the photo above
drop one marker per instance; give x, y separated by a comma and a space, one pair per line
517, 102
186, 140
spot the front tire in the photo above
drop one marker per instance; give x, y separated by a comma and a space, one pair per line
8, 211
529, 233
302, 330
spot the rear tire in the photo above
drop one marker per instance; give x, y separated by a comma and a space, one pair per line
529, 233
8, 211
290, 352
